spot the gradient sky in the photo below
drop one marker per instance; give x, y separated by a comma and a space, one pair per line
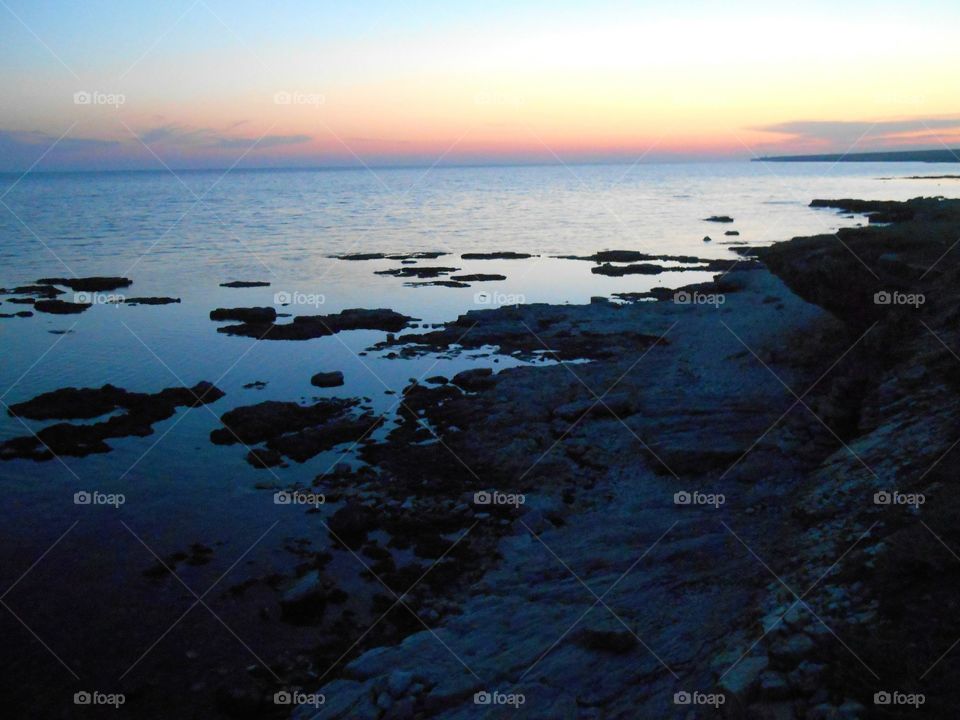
205, 83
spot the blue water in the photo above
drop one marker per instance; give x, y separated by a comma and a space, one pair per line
181, 235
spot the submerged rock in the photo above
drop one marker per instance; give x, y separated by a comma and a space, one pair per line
478, 277
418, 271
151, 301
327, 379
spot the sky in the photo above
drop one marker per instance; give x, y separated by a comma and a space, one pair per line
143, 84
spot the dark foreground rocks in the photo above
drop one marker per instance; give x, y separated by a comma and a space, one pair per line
140, 412
296, 431
306, 327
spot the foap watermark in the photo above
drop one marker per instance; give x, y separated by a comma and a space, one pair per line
83, 497
894, 497
896, 697
299, 298
895, 297
498, 298
295, 697
714, 700
698, 498
514, 700
495, 497
682, 297
288, 97
95, 97
95, 697
98, 298
298, 497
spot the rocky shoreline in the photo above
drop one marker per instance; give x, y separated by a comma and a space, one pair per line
713, 505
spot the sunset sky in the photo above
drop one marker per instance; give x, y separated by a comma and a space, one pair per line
210, 83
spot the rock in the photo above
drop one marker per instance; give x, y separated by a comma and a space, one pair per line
255, 423
474, 380
438, 380
246, 315
142, 412
47, 291
60, 307
719, 219
621, 270
244, 284
327, 379
707, 239
742, 681
306, 327
351, 523
496, 256
255, 385
732, 233
398, 681
791, 650
21, 314
616, 642
773, 686
150, 301
477, 277
89, 284
418, 271
425, 255
311, 441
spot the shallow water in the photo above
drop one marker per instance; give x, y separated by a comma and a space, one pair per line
183, 235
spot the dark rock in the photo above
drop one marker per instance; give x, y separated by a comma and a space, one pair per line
418, 271
438, 283
475, 379
478, 277
244, 284
246, 315
60, 307
251, 424
732, 232
264, 457
426, 255
351, 523
707, 238
719, 219
21, 313
89, 284
255, 385
621, 270
327, 379
47, 291
496, 256
150, 301
305, 327
617, 642
311, 441
142, 412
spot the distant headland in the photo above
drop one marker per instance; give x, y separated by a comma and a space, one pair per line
932, 156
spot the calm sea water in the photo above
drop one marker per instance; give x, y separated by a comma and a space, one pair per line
183, 235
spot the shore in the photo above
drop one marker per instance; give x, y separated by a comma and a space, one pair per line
608, 597
685, 500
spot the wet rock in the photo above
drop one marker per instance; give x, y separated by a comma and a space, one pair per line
89, 284
245, 315
142, 411
475, 379
327, 379
719, 219
634, 269
256, 423
707, 239
732, 233
255, 385
742, 681
244, 284
310, 442
20, 314
438, 283
150, 301
496, 256
424, 255
60, 307
616, 642
418, 271
351, 523
791, 650
478, 277
46, 291
306, 327
773, 686
306, 600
